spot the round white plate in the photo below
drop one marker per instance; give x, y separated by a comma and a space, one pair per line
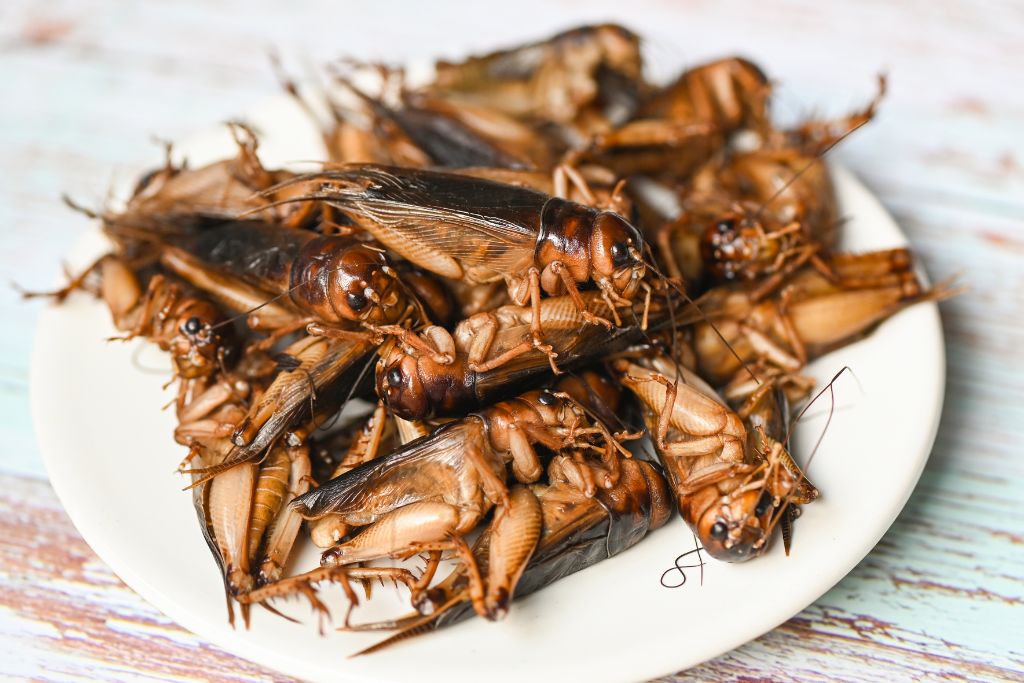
111, 458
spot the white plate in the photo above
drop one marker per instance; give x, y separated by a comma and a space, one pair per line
110, 456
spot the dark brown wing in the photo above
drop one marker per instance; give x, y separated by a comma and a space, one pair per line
291, 400
422, 469
451, 143
426, 215
260, 254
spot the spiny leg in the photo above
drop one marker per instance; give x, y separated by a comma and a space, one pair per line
607, 295
710, 475
458, 546
492, 484
303, 585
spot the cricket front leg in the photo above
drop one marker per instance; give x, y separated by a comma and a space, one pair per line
561, 271
533, 291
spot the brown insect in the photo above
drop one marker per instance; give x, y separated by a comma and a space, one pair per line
585, 80
173, 195
682, 126
490, 354
444, 483
810, 316
728, 489
290, 279
552, 530
189, 326
243, 513
527, 545
764, 213
480, 231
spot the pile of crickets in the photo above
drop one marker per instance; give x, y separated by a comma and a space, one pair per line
524, 266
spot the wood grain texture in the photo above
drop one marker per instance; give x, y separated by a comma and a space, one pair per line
88, 83
65, 616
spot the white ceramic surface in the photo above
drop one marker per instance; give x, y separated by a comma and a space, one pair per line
110, 456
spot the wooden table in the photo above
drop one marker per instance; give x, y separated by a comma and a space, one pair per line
87, 84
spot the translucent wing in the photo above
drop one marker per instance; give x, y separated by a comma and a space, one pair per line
443, 222
422, 469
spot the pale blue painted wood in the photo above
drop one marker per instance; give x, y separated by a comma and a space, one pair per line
942, 592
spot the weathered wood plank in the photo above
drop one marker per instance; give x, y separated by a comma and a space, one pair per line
65, 616
63, 608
